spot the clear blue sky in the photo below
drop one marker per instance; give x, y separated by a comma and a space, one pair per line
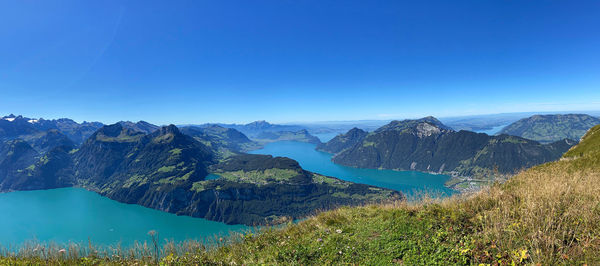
239, 61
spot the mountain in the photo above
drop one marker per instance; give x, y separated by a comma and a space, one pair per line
424, 126
272, 136
24, 168
167, 170
259, 189
11, 127
588, 148
141, 126
264, 132
257, 127
16, 156
48, 140
224, 141
132, 167
550, 128
343, 141
478, 123
427, 145
14, 127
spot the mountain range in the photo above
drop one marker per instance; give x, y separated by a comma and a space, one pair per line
165, 169
428, 145
263, 132
13, 127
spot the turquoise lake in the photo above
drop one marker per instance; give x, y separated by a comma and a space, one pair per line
74, 214
410, 183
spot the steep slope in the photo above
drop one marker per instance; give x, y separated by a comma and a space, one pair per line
22, 167
100, 156
15, 157
550, 128
588, 147
343, 141
428, 145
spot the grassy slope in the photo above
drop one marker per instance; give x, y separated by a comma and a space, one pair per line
548, 214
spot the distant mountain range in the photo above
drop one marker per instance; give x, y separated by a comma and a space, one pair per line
224, 141
256, 128
550, 128
13, 127
166, 168
264, 132
203, 171
300, 135
428, 145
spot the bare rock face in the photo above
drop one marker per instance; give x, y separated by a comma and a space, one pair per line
426, 130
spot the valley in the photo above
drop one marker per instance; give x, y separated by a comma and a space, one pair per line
168, 133
218, 181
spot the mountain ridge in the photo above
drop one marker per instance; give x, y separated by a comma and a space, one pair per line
429, 146
550, 128
167, 170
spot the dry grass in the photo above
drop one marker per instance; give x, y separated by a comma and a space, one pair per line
549, 214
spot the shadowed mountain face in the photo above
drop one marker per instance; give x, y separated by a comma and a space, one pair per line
24, 168
167, 170
343, 141
46, 141
550, 128
27, 151
19, 127
427, 145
